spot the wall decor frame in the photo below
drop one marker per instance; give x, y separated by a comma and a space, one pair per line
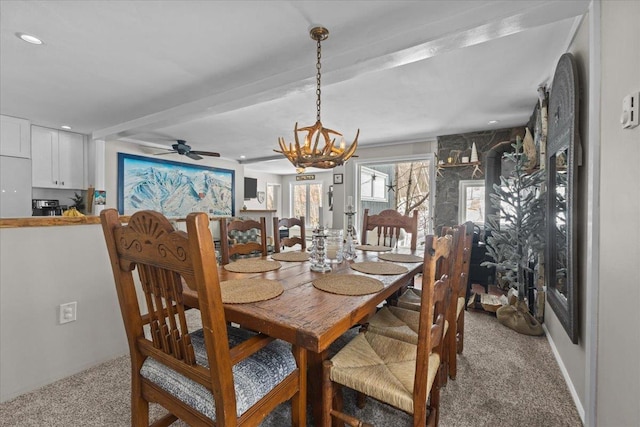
337, 178
562, 160
173, 188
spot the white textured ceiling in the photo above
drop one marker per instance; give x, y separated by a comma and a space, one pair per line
233, 76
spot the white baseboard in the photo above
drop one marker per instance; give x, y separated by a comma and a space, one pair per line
565, 374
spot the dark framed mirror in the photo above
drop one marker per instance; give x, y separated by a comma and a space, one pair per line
562, 159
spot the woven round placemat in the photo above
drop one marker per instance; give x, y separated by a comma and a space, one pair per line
252, 266
348, 284
291, 256
375, 248
372, 267
242, 291
400, 257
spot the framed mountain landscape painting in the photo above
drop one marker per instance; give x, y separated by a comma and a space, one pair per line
172, 188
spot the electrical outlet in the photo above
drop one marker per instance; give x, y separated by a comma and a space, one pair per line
68, 312
630, 110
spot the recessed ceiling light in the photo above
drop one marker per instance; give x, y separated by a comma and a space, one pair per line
65, 127
493, 122
243, 157
29, 38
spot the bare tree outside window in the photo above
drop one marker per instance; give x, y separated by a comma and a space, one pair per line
402, 186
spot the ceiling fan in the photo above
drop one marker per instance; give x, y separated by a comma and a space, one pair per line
181, 147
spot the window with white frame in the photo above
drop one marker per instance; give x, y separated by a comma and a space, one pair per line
471, 206
373, 185
306, 201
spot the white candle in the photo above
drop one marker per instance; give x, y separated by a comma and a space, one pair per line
349, 203
320, 222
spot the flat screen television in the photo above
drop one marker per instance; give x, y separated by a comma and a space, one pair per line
250, 188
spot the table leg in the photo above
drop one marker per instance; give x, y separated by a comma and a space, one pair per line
314, 384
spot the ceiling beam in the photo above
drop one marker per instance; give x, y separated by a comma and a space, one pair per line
378, 55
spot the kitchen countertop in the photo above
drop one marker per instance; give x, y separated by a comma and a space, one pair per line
48, 221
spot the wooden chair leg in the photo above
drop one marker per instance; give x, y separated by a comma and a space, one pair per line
434, 407
139, 405
451, 354
327, 394
361, 400
460, 333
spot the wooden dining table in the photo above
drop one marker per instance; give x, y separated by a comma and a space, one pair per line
309, 317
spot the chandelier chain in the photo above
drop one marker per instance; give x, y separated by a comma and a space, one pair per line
318, 75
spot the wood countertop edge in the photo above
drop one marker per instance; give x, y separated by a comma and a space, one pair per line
56, 221
49, 221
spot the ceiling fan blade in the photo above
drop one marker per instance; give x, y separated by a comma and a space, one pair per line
163, 153
206, 153
193, 155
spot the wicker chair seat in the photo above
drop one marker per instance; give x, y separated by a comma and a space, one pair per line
398, 323
410, 300
253, 377
381, 367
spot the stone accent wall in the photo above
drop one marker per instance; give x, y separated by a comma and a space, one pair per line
447, 180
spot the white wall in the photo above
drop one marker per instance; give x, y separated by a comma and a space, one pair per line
263, 180
618, 370
41, 268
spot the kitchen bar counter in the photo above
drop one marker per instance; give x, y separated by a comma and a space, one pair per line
48, 221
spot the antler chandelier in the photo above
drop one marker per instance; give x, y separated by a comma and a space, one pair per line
306, 155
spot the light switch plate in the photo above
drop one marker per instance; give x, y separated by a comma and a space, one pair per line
629, 117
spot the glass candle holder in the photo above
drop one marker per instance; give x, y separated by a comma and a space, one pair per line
333, 249
318, 261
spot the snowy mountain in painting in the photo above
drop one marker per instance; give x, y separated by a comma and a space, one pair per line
175, 191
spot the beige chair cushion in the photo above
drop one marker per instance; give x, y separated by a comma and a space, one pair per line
381, 367
398, 323
410, 299
395, 322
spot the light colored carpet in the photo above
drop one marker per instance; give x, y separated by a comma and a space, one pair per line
504, 379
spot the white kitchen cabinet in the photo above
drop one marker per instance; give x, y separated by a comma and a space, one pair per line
57, 158
15, 137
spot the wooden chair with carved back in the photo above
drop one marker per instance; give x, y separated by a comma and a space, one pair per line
206, 376
401, 374
289, 240
388, 226
243, 238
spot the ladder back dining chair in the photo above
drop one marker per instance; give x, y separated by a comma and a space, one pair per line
242, 238
401, 374
387, 227
207, 375
285, 224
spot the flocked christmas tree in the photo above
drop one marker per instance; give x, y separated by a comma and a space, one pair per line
516, 231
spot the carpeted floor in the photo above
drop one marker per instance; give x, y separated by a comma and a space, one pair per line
504, 379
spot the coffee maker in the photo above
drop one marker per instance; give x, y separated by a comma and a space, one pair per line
46, 207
